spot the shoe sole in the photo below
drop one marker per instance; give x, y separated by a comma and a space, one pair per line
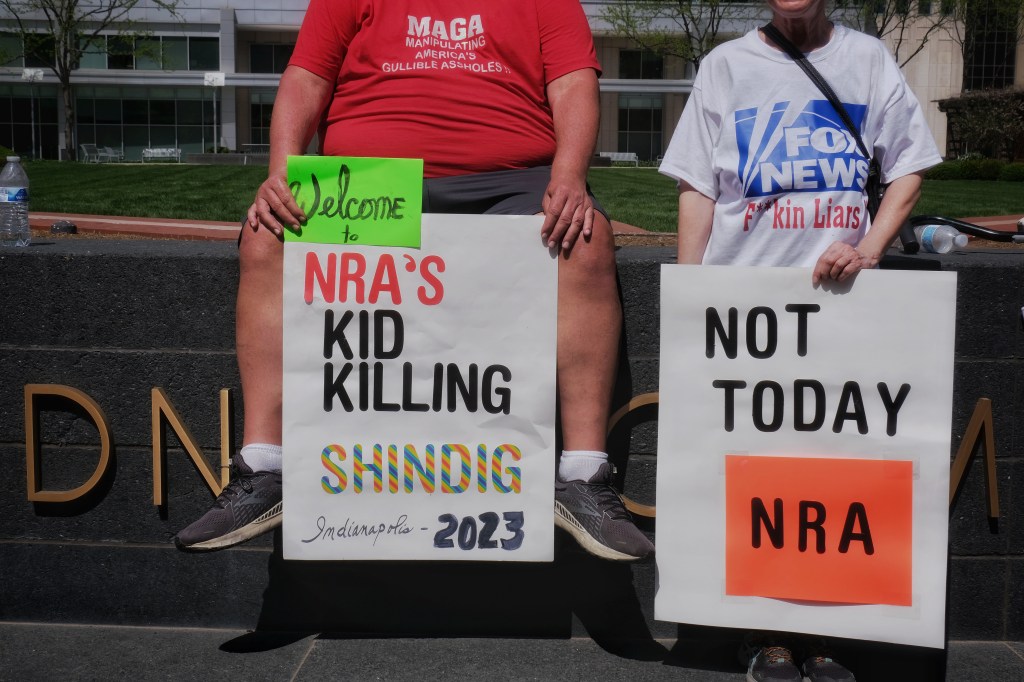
270, 520
565, 521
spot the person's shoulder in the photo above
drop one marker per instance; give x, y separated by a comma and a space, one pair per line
730, 49
860, 42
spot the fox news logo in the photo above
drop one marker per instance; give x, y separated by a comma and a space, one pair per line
814, 152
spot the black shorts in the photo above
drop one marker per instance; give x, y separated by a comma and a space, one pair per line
507, 192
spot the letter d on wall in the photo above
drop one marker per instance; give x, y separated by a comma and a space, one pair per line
33, 459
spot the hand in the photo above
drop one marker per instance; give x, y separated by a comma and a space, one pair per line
840, 262
568, 213
274, 207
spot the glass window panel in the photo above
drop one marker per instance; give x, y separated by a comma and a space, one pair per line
5, 110
10, 46
203, 54
652, 65
136, 111
84, 111
48, 135
629, 64
190, 112
22, 137
20, 109
108, 111
136, 136
40, 50
147, 54
161, 112
86, 134
261, 58
120, 51
162, 136
108, 136
94, 55
175, 53
282, 53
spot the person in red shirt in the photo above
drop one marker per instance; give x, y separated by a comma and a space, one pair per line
500, 100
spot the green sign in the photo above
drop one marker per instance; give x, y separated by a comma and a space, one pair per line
352, 200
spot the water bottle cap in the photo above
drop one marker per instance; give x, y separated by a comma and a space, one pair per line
12, 159
960, 240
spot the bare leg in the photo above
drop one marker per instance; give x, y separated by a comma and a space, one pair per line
258, 335
589, 324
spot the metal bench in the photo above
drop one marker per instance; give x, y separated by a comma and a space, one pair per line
160, 153
625, 157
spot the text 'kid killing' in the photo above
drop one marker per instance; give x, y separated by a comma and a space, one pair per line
369, 379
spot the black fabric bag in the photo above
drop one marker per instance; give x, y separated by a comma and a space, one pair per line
873, 187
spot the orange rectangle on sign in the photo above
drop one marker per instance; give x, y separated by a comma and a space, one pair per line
825, 530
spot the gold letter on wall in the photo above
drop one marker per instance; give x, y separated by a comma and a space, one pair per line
979, 431
162, 409
33, 456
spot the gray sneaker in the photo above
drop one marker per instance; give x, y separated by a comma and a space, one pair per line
593, 514
773, 664
250, 505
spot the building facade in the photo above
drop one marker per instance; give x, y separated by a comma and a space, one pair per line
208, 78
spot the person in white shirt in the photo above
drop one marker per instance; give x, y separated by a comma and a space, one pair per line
770, 175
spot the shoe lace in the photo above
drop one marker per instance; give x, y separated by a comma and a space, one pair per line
234, 488
778, 654
609, 501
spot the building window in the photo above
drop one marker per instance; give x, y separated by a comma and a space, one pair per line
132, 119
152, 53
40, 50
269, 58
990, 48
10, 47
120, 52
261, 104
640, 125
21, 106
203, 54
641, 64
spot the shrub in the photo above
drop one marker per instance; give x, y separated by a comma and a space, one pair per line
1012, 172
989, 169
981, 169
947, 170
5, 152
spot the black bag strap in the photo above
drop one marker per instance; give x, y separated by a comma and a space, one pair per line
775, 35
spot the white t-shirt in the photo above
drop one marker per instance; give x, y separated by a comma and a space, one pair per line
787, 177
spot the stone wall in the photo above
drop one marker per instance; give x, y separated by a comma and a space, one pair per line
116, 318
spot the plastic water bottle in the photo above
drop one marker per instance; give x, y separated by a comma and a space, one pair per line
940, 238
14, 229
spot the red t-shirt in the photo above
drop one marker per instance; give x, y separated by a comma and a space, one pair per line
458, 83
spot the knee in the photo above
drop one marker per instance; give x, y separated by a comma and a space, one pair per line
259, 251
592, 258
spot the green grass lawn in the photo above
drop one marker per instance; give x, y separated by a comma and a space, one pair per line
638, 196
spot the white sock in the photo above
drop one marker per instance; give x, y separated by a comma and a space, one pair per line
262, 457
580, 465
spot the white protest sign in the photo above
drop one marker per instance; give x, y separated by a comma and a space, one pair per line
419, 395
803, 451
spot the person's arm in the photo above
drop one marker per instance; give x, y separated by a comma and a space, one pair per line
696, 214
568, 210
842, 261
301, 99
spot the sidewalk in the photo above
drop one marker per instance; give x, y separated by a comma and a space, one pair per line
90, 652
